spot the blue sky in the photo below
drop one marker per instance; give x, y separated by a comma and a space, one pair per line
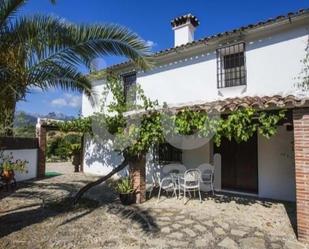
151, 20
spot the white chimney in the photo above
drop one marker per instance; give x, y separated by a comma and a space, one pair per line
184, 27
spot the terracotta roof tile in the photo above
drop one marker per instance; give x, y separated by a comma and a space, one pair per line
234, 104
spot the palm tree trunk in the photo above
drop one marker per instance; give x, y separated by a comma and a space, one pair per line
8, 107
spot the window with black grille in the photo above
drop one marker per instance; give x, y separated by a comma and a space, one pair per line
166, 153
231, 66
129, 83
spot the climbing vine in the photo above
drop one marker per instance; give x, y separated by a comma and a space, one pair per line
239, 125
136, 132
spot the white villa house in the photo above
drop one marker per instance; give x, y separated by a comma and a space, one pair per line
252, 66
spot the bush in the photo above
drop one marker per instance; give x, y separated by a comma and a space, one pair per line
59, 147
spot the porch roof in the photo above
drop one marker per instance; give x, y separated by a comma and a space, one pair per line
232, 104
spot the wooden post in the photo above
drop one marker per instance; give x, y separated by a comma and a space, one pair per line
41, 135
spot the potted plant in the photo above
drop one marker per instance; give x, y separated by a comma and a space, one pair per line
8, 167
76, 151
124, 188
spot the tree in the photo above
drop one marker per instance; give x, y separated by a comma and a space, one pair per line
59, 146
133, 139
46, 51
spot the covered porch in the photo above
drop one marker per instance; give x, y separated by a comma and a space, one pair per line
275, 168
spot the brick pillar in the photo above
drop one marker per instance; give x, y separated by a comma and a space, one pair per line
138, 176
301, 143
41, 135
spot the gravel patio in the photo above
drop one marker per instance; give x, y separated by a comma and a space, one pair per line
39, 215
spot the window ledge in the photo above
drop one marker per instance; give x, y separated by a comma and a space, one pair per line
232, 91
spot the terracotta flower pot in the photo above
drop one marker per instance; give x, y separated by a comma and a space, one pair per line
8, 175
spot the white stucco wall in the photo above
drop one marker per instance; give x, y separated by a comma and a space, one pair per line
196, 157
276, 167
31, 155
100, 159
272, 64
190, 159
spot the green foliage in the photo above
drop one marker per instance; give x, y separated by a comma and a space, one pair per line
82, 125
46, 51
136, 138
7, 163
76, 149
124, 186
239, 125
268, 123
61, 147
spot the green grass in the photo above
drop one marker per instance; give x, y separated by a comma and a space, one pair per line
52, 174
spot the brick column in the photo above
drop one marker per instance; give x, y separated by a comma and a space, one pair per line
301, 144
41, 135
138, 176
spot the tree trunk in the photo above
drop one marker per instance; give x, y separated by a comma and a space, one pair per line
90, 185
8, 106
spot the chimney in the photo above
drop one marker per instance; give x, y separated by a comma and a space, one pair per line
184, 27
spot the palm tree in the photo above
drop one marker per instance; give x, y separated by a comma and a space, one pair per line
46, 51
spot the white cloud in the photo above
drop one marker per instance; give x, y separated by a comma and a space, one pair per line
59, 102
36, 89
68, 100
151, 43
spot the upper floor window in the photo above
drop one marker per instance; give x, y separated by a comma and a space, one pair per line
129, 84
231, 66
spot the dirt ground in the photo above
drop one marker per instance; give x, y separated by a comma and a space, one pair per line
39, 214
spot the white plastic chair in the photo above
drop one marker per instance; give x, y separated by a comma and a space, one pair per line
207, 175
172, 171
155, 182
167, 185
191, 182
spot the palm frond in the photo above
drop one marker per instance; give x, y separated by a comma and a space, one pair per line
8, 9
50, 74
52, 38
96, 40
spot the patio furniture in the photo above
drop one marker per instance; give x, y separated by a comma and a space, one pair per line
176, 179
192, 178
207, 175
172, 171
177, 168
155, 182
167, 185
